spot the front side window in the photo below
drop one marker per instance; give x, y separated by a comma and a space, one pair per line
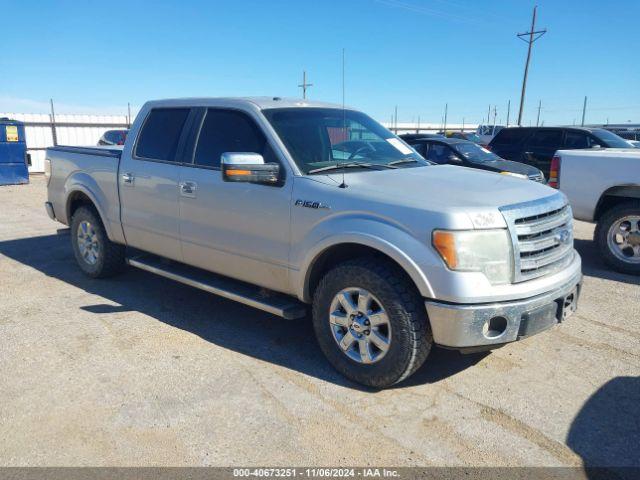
439, 153
160, 134
576, 140
319, 138
227, 131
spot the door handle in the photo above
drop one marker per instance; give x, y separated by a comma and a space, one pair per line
188, 189
127, 178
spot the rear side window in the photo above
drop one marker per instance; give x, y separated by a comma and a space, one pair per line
161, 133
509, 136
227, 131
546, 139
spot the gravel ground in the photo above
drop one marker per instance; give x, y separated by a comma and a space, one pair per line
138, 370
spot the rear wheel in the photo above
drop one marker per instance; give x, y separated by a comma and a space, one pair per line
371, 322
617, 235
97, 256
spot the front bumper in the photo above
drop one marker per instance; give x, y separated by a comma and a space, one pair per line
486, 324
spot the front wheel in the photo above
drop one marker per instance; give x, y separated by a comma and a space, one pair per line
371, 322
617, 235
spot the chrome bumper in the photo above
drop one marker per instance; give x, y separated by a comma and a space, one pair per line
462, 326
48, 206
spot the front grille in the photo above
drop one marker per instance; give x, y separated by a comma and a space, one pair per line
542, 235
537, 177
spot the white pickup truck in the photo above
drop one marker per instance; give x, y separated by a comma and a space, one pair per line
603, 186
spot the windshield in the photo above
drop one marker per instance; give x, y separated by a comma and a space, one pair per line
475, 153
325, 137
610, 139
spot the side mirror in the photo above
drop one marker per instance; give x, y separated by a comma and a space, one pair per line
596, 146
248, 167
453, 158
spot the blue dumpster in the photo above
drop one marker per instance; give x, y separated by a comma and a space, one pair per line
13, 153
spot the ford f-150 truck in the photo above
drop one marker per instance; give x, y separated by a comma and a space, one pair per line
257, 200
603, 186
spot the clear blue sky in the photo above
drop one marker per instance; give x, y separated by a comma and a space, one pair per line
417, 54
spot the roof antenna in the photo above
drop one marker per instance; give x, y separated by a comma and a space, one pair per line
344, 120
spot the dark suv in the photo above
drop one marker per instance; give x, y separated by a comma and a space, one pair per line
536, 145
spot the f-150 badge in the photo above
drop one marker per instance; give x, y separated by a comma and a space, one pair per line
311, 204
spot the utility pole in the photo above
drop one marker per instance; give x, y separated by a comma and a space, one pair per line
489, 115
584, 110
446, 107
508, 111
418, 128
533, 36
129, 114
462, 125
304, 85
396, 120
539, 108
54, 134
495, 114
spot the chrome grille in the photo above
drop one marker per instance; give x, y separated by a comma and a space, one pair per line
537, 177
542, 235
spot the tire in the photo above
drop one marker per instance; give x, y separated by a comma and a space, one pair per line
612, 255
103, 260
392, 293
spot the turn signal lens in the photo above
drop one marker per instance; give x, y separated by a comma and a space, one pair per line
445, 243
554, 172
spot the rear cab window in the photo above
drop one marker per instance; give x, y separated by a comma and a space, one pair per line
160, 134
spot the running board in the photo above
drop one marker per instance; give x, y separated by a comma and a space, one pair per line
272, 302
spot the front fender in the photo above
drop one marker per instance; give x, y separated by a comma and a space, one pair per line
414, 257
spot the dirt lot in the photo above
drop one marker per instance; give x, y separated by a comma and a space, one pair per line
138, 370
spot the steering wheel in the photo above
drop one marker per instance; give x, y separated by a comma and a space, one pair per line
364, 148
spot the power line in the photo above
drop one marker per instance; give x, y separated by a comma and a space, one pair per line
533, 36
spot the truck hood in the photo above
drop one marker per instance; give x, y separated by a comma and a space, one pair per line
443, 186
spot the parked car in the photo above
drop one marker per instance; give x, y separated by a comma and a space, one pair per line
412, 136
537, 145
113, 137
249, 199
603, 186
487, 132
454, 151
470, 136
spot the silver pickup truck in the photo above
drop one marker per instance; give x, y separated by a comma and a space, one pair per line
281, 204
603, 187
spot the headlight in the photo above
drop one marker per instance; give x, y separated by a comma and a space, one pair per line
486, 251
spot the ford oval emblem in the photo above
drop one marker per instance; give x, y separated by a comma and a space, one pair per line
563, 236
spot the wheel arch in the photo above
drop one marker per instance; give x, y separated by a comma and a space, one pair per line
79, 196
614, 196
329, 255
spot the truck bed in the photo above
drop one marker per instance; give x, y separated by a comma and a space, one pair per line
95, 170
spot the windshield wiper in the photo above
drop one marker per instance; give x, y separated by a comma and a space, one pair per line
404, 160
340, 166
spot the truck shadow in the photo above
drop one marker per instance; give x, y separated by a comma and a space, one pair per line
606, 430
594, 266
222, 322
